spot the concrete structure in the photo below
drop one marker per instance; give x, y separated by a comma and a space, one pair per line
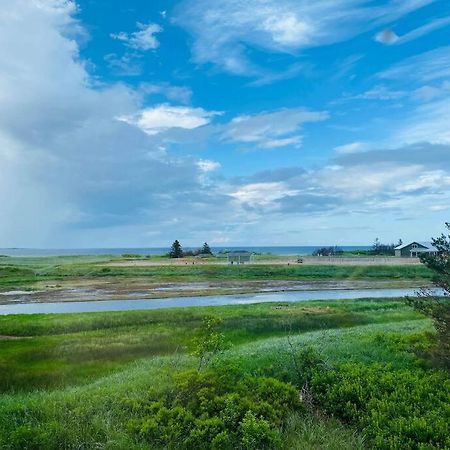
414, 249
239, 257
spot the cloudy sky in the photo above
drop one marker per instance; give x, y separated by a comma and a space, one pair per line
239, 122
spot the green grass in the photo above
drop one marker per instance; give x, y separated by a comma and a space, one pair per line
23, 272
56, 350
77, 372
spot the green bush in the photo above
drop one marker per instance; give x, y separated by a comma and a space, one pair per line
396, 409
212, 410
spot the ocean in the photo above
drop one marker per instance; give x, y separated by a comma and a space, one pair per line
275, 250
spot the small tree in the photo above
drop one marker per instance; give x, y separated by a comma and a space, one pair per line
435, 307
176, 251
210, 342
206, 249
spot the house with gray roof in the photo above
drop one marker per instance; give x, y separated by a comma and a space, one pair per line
415, 249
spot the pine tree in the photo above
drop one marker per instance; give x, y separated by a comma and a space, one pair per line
176, 251
438, 307
206, 249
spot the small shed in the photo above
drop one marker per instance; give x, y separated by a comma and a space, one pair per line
415, 249
239, 257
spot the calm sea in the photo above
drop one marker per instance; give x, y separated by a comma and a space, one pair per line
292, 250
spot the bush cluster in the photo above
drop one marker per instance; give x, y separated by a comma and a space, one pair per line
396, 409
210, 410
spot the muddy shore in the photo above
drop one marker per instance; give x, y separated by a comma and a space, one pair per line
132, 288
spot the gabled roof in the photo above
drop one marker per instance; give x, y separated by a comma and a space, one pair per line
426, 245
240, 253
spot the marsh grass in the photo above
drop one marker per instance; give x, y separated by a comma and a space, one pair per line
68, 380
56, 350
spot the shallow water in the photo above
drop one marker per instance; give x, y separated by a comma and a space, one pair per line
216, 300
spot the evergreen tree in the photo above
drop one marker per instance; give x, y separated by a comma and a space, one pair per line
176, 251
206, 249
438, 308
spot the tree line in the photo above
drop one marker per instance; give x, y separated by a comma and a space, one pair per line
176, 250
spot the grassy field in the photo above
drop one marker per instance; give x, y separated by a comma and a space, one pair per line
101, 380
25, 272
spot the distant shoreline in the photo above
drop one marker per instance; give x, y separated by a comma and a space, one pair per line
275, 250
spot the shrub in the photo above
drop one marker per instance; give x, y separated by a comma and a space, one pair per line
397, 409
256, 433
212, 410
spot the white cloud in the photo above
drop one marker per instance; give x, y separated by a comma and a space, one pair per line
271, 129
353, 147
381, 92
262, 194
275, 143
288, 30
143, 39
71, 174
428, 74
206, 165
428, 122
164, 117
127, 64
224, 29
425, 67
181, 94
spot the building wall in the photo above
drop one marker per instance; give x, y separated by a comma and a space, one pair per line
239, 259
405, 252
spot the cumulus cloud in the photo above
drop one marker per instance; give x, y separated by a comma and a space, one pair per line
164, 117
371, 181
224, 29
206, 165
71, 173
143, 39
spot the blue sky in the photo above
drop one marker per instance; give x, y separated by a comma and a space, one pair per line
238, 122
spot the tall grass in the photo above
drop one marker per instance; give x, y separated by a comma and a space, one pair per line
64, 349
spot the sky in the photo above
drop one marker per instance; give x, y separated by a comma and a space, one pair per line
236, 122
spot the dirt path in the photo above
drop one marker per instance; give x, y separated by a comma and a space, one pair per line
281, 260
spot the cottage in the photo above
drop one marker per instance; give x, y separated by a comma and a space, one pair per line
414, 249
239, 257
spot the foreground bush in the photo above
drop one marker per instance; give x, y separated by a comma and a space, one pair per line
396, 409
208, 410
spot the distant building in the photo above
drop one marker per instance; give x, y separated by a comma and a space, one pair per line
414, 249
239, 257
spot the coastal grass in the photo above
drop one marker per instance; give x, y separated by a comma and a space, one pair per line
23, 272
94, 413
53, 350
81, 380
